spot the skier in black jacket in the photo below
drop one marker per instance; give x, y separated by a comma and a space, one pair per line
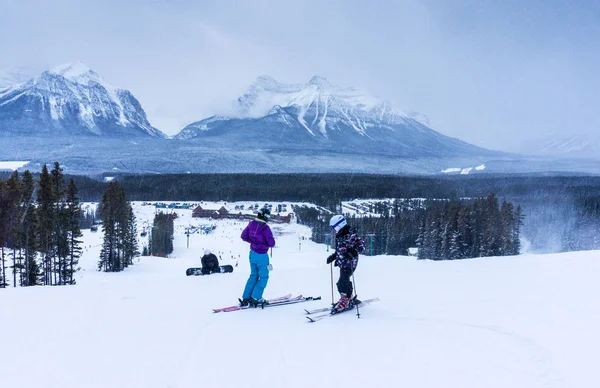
347, 247
210, 263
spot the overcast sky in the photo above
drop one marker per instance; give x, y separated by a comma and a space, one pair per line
490, 72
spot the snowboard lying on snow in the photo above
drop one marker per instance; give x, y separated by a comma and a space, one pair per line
198, 271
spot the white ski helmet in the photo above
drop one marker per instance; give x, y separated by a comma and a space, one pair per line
337, 222
207, 251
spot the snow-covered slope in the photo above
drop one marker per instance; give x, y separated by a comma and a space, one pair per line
319, 115
72, 100
520, 322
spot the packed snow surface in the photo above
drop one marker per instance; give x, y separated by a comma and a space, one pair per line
463, 171
520, 322
12, 165
452, 169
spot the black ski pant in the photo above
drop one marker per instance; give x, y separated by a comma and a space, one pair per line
344, 284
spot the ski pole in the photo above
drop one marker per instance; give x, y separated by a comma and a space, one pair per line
331, 267
356, 295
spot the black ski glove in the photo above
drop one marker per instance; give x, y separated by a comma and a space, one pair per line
331, 258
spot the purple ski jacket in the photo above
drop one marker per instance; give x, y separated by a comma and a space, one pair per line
259, 235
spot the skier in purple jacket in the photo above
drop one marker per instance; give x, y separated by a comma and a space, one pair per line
259, 235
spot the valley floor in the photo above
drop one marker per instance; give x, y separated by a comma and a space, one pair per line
519, 322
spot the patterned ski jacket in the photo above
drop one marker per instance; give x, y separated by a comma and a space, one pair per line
347, 247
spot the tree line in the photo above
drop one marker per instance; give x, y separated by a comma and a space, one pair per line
466, 229
328, 189
551, 202
441, 229
583, 232
40, 235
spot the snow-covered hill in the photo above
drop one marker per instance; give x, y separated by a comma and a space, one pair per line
72, 100
521, 322
319, 115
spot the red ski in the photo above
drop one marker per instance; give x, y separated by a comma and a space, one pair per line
238, 307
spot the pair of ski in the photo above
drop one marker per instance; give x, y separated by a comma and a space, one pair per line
312, 315
318, 314
281, 301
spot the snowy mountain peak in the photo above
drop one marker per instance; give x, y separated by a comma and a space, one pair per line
72, 70
318, 115
265, 82
320, 82
318, 95
72, 99
79, 73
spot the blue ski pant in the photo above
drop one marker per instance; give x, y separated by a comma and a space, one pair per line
259, 275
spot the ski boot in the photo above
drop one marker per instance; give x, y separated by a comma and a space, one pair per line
244, 302
262, 302
342, 305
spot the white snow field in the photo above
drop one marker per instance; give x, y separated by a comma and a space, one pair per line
12, 165
515, 322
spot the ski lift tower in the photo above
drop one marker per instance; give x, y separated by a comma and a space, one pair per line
190, 230
328, 241
371, 235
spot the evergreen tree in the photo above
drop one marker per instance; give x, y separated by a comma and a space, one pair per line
61, 225
10, 196
108, 254
4, 214
131, 248
28, 228
45, 224
118, 224
13, 191
73, 213
493, 227
162, 235
507, 213
516, 236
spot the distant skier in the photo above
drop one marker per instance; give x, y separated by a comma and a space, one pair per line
210, 263
347, 247
260, 237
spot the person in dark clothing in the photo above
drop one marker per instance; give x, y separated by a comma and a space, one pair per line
347, 247
210, 263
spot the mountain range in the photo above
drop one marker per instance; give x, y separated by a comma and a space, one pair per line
73, 115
